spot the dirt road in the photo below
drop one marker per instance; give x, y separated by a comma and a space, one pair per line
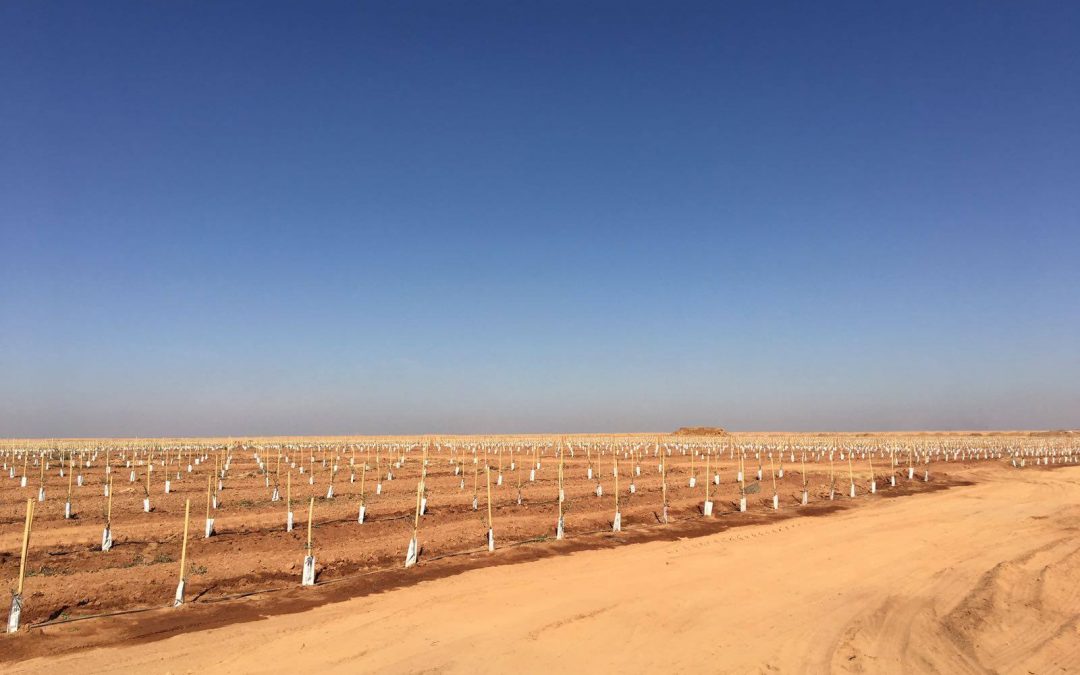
973, 579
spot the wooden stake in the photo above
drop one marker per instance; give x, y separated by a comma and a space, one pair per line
663, 476
209, 488
363, 477
832, 475
25, 544
517, 470
475, 477
851, 469
742, 473
183, 547
615, 463
416, 519
708, 472
108, 507
311, 509
561, 455
487, 470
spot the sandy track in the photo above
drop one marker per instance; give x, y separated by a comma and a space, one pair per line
973, 579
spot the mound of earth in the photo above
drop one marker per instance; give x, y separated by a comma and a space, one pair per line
701, 431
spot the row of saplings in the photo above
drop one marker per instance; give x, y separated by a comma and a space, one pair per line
221, 465
412, 553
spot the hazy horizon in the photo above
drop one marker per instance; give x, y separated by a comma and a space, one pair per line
566, 434
423, 218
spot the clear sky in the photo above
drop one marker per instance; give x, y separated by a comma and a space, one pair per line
420, 217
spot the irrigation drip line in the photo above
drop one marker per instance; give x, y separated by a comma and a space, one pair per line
103, 615
329, 582
470, 552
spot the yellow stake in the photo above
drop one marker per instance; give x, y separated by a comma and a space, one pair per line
615, 462
708, 474
487, 470
108, 508
311, 509
71, 472
25, 543
183, 547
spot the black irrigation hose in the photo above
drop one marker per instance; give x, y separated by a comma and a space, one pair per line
119, 612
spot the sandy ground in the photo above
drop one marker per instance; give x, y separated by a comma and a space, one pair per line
977, 578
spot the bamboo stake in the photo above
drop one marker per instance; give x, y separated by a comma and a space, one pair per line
559, 528
288, 502
775, 496
71, 476
805, 482
873, 479
378, 471
491, 525
517, 470
277, 473
742, 479
832, 478
412, 555
423, 479
308, 576
16, 598
851, 473
706, 510
416, 518
41, 477
663, 477
25, 544
616, 526
363, 479
311, 510
183, 556
332, 469
108, 508
475, 482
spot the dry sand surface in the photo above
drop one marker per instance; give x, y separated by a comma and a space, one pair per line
977, 578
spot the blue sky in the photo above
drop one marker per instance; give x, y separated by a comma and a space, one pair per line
422, 217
